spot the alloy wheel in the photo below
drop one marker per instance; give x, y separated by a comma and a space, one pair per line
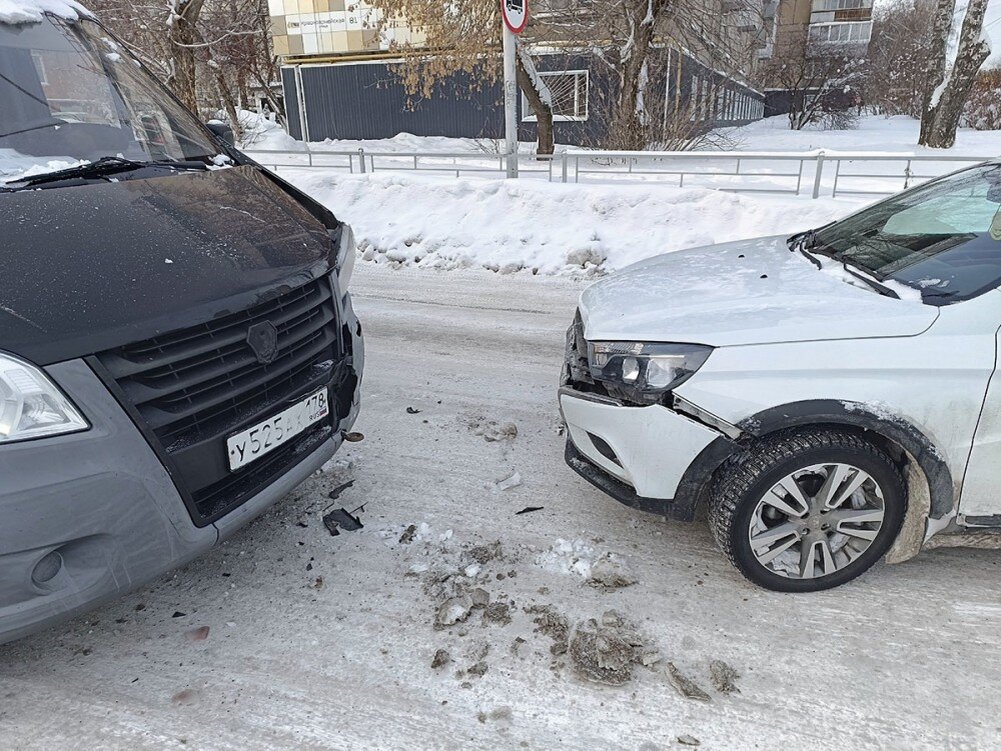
816, 520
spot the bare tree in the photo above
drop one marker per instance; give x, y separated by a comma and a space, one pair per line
822, 83
462, 37
639, 43
897, 54
212, 49
946, 89
983, 108
183, 35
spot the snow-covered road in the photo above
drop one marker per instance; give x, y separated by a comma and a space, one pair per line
327, 642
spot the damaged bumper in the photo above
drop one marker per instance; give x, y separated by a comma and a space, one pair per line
89, 516
650, 458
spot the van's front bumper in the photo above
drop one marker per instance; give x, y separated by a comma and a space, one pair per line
650, 458
86, 517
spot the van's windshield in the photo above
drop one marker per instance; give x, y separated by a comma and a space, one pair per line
70, 95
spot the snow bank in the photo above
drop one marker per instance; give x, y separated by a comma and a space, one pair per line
31, 11
897, 134
262, 134
544, 227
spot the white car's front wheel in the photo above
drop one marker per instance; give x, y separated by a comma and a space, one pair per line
805, 511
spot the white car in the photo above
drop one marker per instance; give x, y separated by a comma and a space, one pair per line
830, 397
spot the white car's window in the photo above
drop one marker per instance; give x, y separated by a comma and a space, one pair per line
943, 237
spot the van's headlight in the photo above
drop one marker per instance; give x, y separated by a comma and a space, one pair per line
643, 373
31, 406
344, 264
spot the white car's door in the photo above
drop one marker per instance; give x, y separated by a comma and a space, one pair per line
981, 490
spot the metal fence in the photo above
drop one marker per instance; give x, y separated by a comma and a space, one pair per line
812, 173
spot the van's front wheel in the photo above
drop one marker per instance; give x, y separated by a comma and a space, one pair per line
805, 511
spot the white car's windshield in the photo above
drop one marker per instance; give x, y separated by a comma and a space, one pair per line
943, 238
69, 94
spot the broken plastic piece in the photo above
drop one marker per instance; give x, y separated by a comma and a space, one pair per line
342, 518
528, 510
354, 437
412, 411
336, 492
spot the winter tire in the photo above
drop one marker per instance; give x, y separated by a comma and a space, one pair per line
806, 511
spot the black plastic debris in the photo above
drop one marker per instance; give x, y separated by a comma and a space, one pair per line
178, 614
529, 510
412, 411
354, 437
339, 519
336, 492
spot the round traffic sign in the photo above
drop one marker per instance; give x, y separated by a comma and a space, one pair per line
515, 14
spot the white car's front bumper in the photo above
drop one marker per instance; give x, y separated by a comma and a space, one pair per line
648, 449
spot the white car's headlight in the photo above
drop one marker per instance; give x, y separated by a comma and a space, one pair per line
644, 373
31, 406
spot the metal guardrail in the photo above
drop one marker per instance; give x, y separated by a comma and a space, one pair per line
790, 173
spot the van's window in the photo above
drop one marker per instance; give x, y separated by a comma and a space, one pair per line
943, 238
69, 94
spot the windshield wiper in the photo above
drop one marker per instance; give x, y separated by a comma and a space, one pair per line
806, 244
103, 167
880, 288
805, 241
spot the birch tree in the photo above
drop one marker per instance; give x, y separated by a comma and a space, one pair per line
462, 37
947, 88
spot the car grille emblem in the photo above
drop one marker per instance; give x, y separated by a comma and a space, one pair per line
263, 340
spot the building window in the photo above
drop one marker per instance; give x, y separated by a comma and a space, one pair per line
820, 6
855, 32
569, 89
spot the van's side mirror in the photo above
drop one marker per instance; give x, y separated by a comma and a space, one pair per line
223, 131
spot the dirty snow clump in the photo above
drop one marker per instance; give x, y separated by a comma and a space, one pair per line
602, 570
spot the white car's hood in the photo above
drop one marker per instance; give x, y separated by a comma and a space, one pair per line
747, 292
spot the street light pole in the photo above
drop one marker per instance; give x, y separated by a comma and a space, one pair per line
511, 101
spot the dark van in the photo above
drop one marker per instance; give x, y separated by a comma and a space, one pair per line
178, 348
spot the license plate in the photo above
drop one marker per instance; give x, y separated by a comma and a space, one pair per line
265, 437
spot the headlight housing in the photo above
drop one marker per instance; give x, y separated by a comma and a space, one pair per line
31, 406
643, 373
344, 264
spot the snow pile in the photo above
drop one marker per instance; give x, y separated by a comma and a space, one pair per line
31, 11
874, 133
263, 134
547, 228
260, 133
568, 557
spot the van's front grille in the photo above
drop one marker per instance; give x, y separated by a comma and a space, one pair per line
193, 388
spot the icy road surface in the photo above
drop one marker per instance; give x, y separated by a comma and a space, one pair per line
327, 642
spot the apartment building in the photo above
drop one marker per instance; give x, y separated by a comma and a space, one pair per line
817, 26
308, 30
802, 30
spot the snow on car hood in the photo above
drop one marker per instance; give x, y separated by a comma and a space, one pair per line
747, 292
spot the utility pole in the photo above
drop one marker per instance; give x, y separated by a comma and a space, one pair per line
511, 101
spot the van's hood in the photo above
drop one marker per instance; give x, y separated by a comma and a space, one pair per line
93, 267
747, 292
